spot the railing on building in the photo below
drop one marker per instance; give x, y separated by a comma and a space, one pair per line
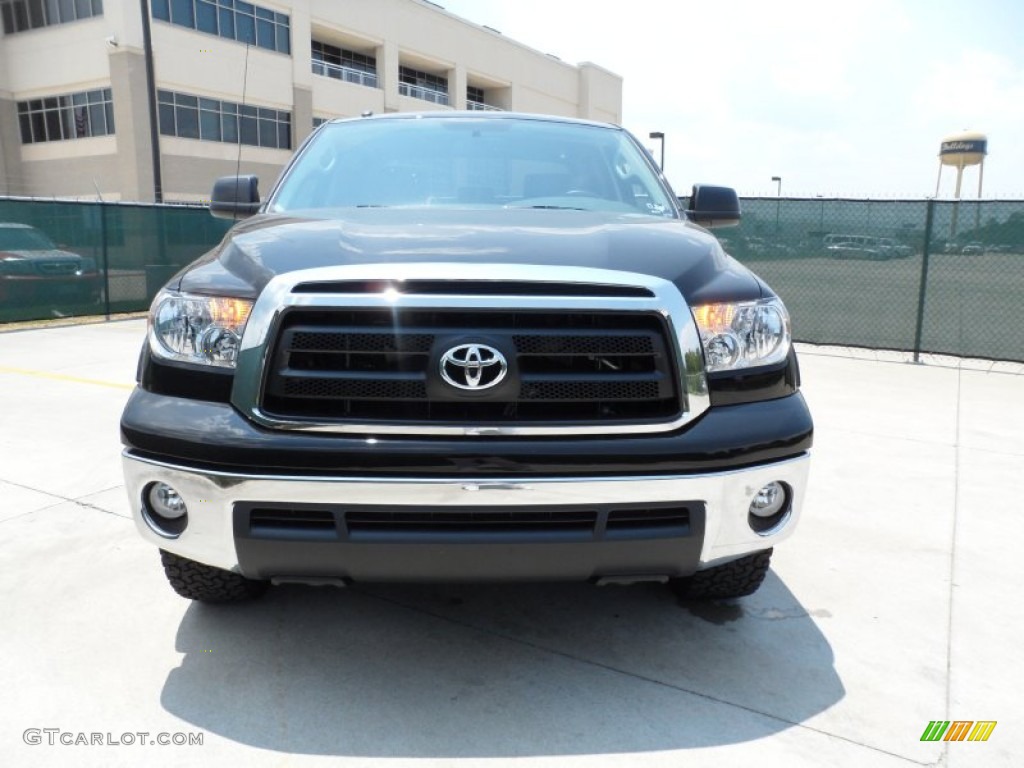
425, 94
480, 106
348, 74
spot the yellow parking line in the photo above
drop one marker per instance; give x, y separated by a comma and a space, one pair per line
64, 377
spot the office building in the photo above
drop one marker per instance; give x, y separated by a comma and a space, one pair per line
241, 85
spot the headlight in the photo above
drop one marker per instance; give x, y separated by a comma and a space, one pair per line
743, 335
87, 265
197, 329
15, 265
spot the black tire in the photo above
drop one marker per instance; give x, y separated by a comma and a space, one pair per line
734, 579
197, 581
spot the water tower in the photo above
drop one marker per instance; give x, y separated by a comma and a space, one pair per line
962, 150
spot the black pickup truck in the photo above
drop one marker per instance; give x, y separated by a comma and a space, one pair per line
467, 346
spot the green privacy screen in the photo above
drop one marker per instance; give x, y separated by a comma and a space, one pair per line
931, 276
927, 276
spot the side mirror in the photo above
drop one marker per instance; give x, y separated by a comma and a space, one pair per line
714, 206
235, 197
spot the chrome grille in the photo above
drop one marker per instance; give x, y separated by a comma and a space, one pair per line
565, 367
58, 267
621, 331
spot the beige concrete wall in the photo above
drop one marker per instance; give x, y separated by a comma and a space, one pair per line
131, 124
302, 114
302, 51
337, 98
11, 181
600, 94
190, 167
91, 172
200, 64
57, 59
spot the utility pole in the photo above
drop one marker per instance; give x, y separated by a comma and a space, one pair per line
154, 130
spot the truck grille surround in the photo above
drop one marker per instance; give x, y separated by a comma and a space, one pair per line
512, 350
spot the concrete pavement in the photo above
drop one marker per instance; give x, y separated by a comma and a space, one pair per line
896, 603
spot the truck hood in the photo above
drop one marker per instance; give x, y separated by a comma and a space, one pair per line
257, 250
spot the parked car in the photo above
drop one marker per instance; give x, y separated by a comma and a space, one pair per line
865, 247
467, 346
33, 270
972, 249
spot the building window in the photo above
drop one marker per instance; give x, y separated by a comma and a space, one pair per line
19, 15
195, 117
422, 85
475, 99
233, 19
342, 64
318, 121
71, 116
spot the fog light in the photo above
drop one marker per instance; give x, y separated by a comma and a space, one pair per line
770, 508
166, 501
769, 501
164, 510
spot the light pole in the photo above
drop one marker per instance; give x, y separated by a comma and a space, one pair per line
778, 199
660, 136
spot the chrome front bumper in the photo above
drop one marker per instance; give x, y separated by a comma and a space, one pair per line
209, 536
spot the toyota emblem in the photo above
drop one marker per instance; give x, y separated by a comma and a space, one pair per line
473, 367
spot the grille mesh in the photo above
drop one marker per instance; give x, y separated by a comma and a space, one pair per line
583, 345
478, 521
590, 390
360, 342
374, 389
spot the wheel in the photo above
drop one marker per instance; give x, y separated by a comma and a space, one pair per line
734, 579
197, 581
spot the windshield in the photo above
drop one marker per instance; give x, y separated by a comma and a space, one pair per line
472, 162
24, 239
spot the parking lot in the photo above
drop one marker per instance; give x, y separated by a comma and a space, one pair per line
896, 603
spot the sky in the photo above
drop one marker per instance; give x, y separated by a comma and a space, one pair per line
837, 98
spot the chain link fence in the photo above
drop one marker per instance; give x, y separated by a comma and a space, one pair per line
915, 275
61, 259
